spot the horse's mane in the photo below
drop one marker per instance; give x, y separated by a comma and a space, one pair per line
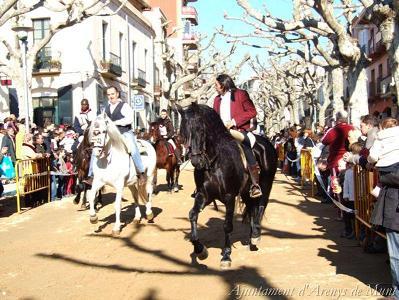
207, 117
115, 136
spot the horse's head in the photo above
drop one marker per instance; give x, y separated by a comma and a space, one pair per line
153, 131
193, 133
99, 136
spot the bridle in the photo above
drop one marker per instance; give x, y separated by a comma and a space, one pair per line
202, 153
100, 146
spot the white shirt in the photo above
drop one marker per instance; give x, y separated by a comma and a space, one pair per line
86, 118
225, 113
126, 111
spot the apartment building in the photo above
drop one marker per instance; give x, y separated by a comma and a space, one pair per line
81, 61
182, 36
381, 92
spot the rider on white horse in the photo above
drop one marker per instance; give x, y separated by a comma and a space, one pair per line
167, 131
123, 116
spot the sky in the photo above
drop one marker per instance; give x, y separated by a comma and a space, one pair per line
210, 16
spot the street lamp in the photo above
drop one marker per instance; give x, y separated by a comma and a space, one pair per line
22, 32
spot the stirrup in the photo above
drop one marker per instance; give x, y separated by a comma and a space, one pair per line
255, 191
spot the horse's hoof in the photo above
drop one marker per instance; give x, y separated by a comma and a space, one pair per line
116, 233
136, 221
255, 241
176, 189
225, 264
203, 255
76, 201
93, 219
83, 206
150, 216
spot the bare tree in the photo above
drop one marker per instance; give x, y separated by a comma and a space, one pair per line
313, 22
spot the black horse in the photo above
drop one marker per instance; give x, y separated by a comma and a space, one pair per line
220, 173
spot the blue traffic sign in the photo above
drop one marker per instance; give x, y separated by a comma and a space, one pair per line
138, 101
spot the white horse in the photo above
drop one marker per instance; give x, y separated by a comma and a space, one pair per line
115, 167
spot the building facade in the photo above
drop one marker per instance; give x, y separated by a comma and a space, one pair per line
81, 61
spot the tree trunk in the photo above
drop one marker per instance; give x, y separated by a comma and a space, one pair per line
358, 100
337, 90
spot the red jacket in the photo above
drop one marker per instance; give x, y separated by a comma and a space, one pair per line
336, 138
242, 109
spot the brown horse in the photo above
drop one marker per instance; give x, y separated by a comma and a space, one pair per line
82, 162
165, 160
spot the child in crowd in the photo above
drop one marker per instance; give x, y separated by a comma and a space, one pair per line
349, 195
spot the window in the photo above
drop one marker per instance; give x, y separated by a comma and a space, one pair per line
133, 67
380, 71
156, 76
121, 48
104, 40
145, 61
101, 98
41, 28
64, 106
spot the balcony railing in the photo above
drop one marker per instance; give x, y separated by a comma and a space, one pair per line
385, 85
45, 63
189, 12
371, 89
375, 45
139, 80
112, 66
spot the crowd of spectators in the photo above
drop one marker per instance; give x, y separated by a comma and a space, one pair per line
337, 149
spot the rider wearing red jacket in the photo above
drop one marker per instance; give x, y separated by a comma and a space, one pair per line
237, 111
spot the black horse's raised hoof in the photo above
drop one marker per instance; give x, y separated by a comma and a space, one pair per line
93, 219
203, 254
225, 264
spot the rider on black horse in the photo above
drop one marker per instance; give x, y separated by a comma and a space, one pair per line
237, 112
167, 131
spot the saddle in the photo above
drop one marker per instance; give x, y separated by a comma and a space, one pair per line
140, 146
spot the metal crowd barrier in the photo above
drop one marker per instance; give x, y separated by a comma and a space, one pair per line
32, 175
307, 168
364, 202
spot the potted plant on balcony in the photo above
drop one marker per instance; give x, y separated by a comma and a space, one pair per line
55, 64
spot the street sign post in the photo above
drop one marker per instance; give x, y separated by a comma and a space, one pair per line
138, 101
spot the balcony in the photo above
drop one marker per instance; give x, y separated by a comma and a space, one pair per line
190, 13
139, 81
371, 89
375, 46
112, 66
190, 39
45, 64
386, 85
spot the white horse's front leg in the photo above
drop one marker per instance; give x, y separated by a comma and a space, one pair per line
91, 195
117, 204
148, 205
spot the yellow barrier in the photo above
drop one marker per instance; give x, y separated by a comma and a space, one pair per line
364, 201
32, 175
280, 152
307, 168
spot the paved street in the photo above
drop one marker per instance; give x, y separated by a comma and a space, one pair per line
53, 252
